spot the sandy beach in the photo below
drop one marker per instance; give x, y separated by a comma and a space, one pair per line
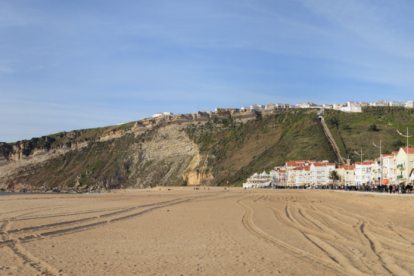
208, 232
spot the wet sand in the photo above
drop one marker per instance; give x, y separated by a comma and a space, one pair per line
208, 232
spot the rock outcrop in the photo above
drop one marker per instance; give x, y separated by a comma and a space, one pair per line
150, 152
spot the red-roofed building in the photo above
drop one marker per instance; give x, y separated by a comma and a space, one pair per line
320, 173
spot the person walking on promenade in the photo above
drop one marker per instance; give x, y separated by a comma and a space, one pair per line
393, 189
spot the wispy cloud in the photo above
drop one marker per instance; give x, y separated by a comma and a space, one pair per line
376, 22
69, 65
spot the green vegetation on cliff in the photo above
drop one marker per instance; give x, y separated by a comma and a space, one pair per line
229, 151
236, 150
355, 131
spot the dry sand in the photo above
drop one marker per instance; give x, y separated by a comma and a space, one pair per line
209, 232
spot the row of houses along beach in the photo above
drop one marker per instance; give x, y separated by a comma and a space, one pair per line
388, 169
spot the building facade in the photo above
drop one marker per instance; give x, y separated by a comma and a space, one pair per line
404, 163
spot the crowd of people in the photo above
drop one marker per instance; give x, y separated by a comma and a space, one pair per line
392, 189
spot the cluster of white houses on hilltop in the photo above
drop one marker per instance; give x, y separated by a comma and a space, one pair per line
349, 106
395, 169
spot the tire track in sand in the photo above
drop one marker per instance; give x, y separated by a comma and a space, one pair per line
323, 260
317, 237
96, 224
387, 262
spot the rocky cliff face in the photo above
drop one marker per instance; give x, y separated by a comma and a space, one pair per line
187, 149
137, 157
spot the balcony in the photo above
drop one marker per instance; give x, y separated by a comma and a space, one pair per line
400, 177
400, 166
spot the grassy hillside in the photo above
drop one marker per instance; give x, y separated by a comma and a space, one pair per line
236, 150
352, 130
230, 151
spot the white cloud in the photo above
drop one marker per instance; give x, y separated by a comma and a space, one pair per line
373, 21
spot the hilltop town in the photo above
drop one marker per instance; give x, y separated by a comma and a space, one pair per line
349, 106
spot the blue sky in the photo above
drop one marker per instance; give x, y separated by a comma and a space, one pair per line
68, 65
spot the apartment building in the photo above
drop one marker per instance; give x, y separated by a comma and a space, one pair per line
320, 173
379, 103
346, 174
363, 172
409, 104
389, 164
403, 168
257, 107
394, 103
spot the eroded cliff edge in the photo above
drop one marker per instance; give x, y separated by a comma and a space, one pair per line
138, 158
188, 149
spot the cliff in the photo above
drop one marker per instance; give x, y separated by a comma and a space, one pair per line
191, 149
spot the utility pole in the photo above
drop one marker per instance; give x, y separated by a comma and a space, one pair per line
380, 147
406, 164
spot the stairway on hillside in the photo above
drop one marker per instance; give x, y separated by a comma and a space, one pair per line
331, 140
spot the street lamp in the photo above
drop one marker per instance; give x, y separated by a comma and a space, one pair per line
380, 147
406, 169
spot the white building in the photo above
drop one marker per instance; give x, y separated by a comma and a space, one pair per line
394, 103
307, 105
357, 109
402, 167
379, 103
303, 176
162, 113
270, 106
259, 181
257, 106
409, 104
274, 174
244, 108
320, 173
328, 106
363, 172
389, 164
353, 104
376, 172
279, 105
